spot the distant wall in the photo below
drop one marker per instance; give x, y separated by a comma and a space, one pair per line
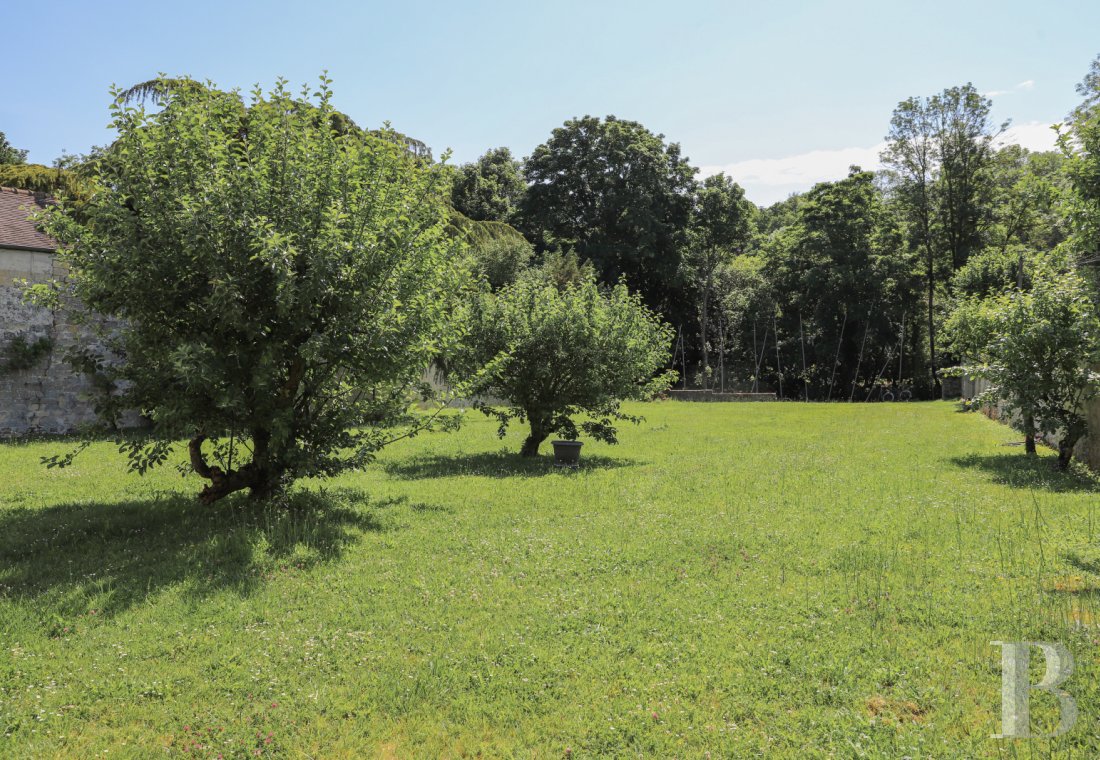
49, 397
694, 395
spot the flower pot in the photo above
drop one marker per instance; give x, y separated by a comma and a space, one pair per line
567, 453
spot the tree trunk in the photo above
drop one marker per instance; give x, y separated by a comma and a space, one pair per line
704, 325
1029, 434
258, 476
932, 318
1065, 446
539, 433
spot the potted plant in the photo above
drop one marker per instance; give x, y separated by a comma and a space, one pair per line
567, 453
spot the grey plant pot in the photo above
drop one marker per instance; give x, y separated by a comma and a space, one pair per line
567, 453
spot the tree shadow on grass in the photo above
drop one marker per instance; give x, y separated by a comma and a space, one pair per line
73, 558
1027, 471
498, 464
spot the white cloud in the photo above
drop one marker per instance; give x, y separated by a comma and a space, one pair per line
767, 180
1024, 86
1033, 135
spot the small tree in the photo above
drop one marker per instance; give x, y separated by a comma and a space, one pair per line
553, 353
1038, 350
278, 278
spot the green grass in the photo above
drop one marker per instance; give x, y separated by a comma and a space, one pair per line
733, 579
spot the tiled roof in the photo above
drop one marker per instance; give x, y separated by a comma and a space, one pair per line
16, 229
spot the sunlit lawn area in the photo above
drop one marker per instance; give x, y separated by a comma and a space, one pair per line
803, 580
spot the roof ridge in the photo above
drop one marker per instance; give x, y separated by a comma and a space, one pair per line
21, 191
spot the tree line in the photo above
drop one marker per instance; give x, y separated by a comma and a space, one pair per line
840, 292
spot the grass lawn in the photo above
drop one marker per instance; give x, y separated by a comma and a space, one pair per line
732, 579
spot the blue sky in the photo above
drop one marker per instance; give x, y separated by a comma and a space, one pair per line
781, 94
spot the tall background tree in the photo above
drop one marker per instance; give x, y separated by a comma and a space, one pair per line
620, 197
722, 224
939, 152
1080, 143
489, 189
843, 287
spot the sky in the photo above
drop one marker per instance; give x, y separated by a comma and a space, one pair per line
778, 94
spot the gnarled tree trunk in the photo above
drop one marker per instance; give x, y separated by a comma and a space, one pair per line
259, 476
1069, 440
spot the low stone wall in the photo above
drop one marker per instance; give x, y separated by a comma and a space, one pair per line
48, 397
719, 396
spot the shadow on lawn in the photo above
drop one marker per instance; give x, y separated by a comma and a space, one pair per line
498, 464
1025, 471
111, 556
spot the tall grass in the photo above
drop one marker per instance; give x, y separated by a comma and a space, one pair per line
790, 579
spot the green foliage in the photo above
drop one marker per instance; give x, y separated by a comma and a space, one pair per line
281, 280
554, 352
1037, 348
9, 154
779, 215
1026, 207
489, 189
1080, 142
501, 260
498, 251
994, 270
938, 157
615, 193
21, 354
721, 227
44, 179
564, 269
842, 278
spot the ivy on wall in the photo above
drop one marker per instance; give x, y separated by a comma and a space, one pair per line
22, 353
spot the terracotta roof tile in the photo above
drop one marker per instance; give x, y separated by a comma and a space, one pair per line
16, 229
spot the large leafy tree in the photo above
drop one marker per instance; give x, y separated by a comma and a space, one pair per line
490, 188
278, 280
721, 228
1037, 348
939, 151
1080, 142
555, 348
1026, 208
619, 196
842, 279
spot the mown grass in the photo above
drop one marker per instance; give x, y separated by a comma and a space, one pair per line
739, 579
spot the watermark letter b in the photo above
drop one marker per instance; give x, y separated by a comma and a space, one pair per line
1015, 689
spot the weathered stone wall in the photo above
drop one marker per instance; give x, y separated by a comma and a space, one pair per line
49, 397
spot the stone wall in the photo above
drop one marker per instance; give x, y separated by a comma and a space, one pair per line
49, 397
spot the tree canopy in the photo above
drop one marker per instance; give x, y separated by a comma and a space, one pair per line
555, 350
489, 189
619, 196
277, 282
